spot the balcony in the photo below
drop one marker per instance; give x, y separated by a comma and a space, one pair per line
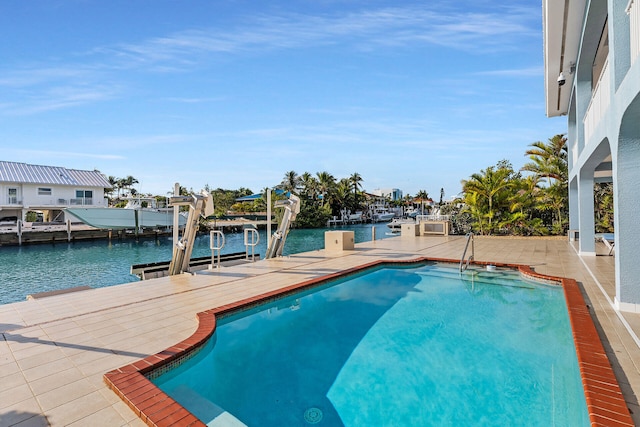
81, 202
13, 201
633, 10
600, 99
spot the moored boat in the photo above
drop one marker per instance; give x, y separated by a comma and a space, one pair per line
358, 216
139, 212
382, 215
396, 224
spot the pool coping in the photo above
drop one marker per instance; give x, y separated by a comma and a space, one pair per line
605, 403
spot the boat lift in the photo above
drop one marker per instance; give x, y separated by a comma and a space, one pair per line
291, 209
199, 205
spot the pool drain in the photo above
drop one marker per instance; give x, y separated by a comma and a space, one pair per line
313, 415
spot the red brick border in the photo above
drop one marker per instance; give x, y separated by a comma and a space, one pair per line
605, 402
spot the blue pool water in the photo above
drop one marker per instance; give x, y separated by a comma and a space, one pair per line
31, 269
392, 347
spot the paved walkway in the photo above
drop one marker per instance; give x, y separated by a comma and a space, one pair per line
54, 351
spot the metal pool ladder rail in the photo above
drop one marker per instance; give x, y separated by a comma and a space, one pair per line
463, 264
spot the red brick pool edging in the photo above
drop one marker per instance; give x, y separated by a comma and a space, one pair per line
605, 402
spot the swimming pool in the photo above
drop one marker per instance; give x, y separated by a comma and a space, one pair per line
391, 346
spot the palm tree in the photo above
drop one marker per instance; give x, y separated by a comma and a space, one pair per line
290, 182
488, 187
120, 185
549, 160
603, 195
421, 197
309, 185
475, 208
127, 182
113, 182
526, 196
355, 181
524, 201
342, 192
555, 200
326, 184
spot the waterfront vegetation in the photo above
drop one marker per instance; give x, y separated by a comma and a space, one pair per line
529, 202
500, 200
119, 184
497, 200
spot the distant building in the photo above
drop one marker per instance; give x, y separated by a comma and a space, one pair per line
592, 75
47, 190
392, 194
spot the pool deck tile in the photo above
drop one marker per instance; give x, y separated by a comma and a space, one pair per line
105, 339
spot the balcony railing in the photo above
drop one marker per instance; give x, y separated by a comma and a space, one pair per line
80, 202
633, 10
57, 203
599, 104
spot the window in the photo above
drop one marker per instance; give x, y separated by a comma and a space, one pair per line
13, 196
44, 191
83, 197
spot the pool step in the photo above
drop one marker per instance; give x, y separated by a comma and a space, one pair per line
496, 277
206, 411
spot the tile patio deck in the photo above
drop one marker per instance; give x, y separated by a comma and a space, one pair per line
55, 351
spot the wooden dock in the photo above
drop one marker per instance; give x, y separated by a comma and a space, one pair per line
46, 233
36, 233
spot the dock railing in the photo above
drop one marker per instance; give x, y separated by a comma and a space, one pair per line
432, 218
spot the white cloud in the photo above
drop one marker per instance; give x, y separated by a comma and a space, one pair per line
26, 77
40, 89
537, 71
46, 155
58, 97
391, 27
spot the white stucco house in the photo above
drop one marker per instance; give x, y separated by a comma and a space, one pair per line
47, 189
592, 75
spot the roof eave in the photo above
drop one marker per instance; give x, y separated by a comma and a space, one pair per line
562, 24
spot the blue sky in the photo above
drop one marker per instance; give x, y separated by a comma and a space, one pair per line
415, 95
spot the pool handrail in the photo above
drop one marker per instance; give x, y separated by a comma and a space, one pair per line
463, 265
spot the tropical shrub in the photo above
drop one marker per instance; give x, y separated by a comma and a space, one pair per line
502, 201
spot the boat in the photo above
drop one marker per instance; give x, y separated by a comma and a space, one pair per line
358, 216
141, 212
396, 224
382, 215
411, 212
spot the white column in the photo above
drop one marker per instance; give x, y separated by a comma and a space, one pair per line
585, 214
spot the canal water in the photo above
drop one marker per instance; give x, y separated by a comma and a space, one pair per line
30, 269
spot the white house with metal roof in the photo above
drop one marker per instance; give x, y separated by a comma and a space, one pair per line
47, 189
592, 75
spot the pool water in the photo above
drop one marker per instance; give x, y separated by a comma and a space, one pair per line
392, 347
